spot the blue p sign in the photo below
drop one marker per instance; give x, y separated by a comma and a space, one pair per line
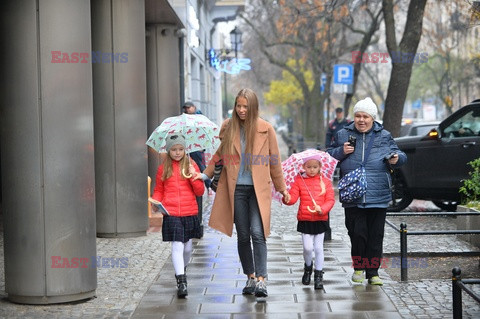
343, 74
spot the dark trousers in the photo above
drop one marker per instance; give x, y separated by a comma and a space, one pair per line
366, 229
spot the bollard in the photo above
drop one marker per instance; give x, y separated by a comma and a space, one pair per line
328, 233
456, 293
403, 252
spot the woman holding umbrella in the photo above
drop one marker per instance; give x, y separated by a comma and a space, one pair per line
251, 162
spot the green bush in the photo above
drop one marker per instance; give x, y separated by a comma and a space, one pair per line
471, 187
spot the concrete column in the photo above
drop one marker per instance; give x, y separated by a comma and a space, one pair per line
120, 109
163, 85
47, 151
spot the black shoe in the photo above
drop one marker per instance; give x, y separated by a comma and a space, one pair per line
181, 286
307, 274
318, 279
261, 289
249, 288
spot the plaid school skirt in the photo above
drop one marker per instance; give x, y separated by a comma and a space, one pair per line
181, 228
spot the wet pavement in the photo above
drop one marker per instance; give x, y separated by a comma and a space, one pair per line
215, 282
146, 288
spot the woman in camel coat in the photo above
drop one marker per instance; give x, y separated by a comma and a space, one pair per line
251, 162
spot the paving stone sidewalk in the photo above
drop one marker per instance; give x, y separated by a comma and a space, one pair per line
120, 290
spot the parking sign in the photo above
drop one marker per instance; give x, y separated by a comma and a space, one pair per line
343, 74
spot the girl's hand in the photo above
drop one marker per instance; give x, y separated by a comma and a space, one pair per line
318, 209
196, 176
286, 196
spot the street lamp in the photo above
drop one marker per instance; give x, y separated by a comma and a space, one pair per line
236, 42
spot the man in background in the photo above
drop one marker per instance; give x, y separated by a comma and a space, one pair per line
335, 125
199, 158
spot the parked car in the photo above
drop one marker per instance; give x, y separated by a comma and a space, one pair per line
417, 128
437, 161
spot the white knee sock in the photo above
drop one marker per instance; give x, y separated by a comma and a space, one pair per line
307, 240
319, 254
177, 257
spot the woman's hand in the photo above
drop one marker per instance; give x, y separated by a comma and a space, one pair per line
393, 160
318, 209
347, 148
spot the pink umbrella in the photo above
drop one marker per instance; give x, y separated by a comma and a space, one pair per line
293, 165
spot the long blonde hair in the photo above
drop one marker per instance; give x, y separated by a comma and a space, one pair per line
168, 166
249, 125
322, 184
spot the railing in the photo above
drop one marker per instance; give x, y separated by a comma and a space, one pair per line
403, 234
459, 284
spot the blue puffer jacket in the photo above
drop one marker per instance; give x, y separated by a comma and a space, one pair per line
378, 177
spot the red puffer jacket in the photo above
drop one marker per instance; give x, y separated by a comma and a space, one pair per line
177, 193
325, 201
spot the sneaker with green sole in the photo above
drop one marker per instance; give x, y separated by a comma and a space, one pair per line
375, 280
358, 276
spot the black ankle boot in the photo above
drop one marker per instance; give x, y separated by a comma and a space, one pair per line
318, 279
307, 273
182, 286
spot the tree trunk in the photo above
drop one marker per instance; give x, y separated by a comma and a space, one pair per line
401, 72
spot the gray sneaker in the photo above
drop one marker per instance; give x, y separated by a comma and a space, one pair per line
261, 289
249, 288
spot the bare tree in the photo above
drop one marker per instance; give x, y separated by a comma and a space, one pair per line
314, 32
401, 70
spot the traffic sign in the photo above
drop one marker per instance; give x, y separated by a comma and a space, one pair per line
323, 82
343, 74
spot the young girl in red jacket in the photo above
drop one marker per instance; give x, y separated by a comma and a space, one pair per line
176, 188
316, 200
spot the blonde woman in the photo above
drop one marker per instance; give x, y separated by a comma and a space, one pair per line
251, 162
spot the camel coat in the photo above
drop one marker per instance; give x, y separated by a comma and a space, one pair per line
266, 167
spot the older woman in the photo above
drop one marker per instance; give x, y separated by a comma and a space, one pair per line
251, 162
365, 216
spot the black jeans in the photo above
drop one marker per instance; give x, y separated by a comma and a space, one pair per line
249, 226
366, 227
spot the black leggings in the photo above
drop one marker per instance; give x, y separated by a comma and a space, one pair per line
366, 229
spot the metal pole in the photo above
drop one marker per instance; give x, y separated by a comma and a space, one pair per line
403, 252
225, 107
457, 293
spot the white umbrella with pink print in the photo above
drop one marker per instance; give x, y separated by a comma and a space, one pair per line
200, 133
293, 165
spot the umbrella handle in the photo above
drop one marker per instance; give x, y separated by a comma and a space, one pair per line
183, 170
312, 210
185, 175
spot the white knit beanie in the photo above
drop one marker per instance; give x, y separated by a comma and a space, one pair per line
368, 106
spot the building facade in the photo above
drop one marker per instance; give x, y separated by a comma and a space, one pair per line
83, 84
